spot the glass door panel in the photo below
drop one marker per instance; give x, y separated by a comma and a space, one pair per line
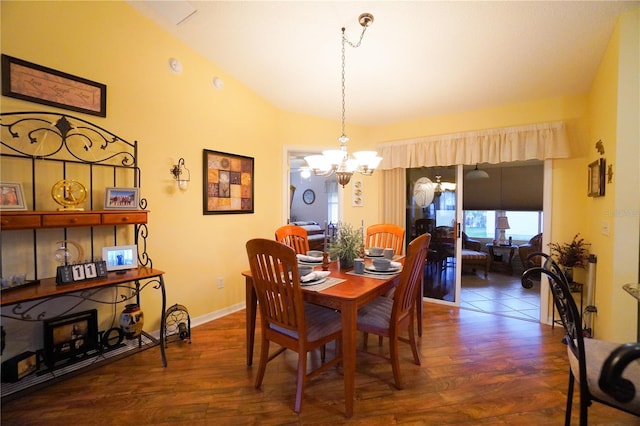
432, 207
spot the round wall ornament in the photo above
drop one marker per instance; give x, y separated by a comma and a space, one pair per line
308, 196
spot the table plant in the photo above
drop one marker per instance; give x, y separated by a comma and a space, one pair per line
347, 245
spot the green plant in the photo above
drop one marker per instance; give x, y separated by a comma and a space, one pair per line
571, 255
348, 243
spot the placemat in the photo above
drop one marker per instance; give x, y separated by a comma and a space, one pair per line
377, 276
330, 282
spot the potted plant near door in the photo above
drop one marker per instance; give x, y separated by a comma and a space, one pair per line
571, 255
347, 245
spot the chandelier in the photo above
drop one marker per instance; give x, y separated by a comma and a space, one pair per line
339, 161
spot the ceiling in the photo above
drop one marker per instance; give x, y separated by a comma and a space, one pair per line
418, 58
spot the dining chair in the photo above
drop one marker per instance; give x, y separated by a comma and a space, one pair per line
293, 236
587, 357
285, 318
388, 317
385, 235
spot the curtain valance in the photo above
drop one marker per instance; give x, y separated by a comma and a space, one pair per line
537, 141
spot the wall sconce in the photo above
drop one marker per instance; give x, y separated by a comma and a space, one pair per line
181, 174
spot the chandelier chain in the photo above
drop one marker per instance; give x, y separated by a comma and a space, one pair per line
345, 40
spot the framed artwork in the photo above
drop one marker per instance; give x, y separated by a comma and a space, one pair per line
597, 172
35, 83
228, 183
121, 198
12, 196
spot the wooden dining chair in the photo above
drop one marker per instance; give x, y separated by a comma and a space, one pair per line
389, 317
385, 235
293, 236
590, 360
285, 318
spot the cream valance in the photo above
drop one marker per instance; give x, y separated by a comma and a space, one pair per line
537, 141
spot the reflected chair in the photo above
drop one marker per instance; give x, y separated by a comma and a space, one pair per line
385, 235
388, 317
588, 357
285, 319
294, 237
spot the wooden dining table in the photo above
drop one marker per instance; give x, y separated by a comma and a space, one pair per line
347, 297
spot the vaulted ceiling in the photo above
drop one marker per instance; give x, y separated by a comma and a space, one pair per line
418, 58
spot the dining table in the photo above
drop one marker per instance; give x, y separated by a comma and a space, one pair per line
347, 297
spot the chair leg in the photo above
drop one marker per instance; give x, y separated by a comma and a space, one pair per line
365, 338
379, 340
395, 359
414, 345
567, 416
302, 377
264, 358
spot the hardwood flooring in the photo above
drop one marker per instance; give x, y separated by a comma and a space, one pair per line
477, 368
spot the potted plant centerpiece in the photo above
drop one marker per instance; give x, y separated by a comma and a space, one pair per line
571, 255
346, 246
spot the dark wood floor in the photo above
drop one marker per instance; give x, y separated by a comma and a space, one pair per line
477, 368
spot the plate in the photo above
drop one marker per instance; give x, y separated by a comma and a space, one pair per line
372, 269
313, 282
305, 262
375, 255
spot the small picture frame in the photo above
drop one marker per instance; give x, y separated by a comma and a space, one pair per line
597, 173
12, 196
121, 198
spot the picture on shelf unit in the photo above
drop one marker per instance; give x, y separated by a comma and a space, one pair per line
70, 336
12, 196
120, 258
121, 198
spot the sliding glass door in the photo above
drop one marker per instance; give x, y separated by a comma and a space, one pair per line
432, 206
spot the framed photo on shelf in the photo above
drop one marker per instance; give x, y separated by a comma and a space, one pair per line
36, 83
597, 173
121, 198
228, 183
12, 196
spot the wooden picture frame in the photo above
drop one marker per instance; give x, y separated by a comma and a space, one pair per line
228, 183
121, 198
36, 83
12, 196
596, 182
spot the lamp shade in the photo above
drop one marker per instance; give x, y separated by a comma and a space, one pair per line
503, 223
477, 174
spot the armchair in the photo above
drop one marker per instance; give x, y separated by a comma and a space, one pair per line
533, 246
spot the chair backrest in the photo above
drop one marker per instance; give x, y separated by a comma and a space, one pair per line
293, 236
385, 235
424, 226
404, 298
274, 269
567, 309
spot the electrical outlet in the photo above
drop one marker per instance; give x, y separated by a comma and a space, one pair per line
220, 282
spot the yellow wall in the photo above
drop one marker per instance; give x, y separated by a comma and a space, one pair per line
613, 116
175, 116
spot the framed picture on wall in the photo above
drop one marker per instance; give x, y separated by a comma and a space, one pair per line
597, 172
228, 183
36, 83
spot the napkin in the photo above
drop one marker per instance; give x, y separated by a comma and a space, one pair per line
315, 275
395, 265
305, 258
